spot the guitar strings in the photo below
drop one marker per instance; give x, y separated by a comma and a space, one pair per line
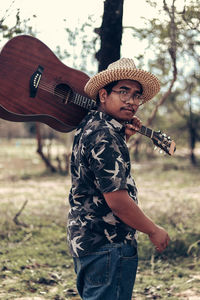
63, 94
49, 88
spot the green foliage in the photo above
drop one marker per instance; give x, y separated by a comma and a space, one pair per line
173, 45
19, 27
158, 34
81, 45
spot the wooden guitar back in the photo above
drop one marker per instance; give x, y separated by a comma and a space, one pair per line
20, 58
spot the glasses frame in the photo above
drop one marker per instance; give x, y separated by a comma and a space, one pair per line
126, 93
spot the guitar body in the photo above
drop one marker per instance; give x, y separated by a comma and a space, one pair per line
36, 86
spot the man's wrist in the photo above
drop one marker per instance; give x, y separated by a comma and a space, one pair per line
152, 229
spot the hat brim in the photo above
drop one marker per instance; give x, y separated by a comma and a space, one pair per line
149, 82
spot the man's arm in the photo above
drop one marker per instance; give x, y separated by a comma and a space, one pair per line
129, 212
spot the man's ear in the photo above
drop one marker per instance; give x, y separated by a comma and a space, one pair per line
103, 95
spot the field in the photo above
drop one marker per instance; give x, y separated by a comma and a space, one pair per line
34, 258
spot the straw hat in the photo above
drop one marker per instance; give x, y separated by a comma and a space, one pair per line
123, 68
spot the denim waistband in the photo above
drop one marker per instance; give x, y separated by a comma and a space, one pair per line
117, 245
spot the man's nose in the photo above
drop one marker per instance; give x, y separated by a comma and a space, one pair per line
133, 100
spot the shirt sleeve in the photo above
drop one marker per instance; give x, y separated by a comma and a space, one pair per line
106, 161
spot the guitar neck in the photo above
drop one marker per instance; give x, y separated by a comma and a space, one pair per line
82, 101
146, 131
159, 139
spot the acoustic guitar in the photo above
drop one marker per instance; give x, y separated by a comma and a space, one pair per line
36, 86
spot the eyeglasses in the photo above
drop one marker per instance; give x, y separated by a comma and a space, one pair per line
125, 96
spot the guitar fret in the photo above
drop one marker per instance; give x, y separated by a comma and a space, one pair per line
149, 132
142, 130
146, 131
159, 139
74, 99
82, 101
78, 100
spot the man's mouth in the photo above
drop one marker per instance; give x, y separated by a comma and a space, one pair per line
128, 109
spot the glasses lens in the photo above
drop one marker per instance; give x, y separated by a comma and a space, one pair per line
126, 98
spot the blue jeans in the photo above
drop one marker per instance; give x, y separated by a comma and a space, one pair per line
107, 274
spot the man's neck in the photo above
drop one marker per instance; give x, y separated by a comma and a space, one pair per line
100, 109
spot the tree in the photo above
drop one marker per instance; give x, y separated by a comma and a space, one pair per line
110, 33
174, 41
155, 33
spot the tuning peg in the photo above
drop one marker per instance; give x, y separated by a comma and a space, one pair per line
161, 151
155, 148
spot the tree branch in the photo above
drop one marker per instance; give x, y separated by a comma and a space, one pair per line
15, 219
40, 151
172, 51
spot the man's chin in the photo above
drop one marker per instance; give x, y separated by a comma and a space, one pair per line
128, 115
125, 119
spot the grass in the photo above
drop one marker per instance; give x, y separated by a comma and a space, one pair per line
34, 258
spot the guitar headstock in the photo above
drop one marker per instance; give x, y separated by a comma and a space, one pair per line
164, 142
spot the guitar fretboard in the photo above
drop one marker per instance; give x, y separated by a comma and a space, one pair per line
82, 101
146, 131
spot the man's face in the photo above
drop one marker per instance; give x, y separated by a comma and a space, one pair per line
114, 105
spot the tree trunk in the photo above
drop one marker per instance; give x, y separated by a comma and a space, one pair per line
192, 132
40, 150
110, 33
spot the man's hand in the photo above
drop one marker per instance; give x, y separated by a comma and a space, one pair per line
159, 238
129, 212
133, 127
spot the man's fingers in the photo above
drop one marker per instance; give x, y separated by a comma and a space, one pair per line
163, 246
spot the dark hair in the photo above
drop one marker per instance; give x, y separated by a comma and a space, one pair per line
108, 89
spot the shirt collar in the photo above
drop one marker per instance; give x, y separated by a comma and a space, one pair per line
113, 122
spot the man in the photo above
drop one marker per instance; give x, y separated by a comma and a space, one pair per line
104, 214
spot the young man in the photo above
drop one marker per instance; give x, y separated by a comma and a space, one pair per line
104, 214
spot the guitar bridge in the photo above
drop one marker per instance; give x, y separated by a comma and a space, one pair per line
35, 80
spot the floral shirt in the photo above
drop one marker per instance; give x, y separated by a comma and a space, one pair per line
100, 163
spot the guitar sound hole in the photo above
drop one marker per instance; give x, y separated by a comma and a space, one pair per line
63, 93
